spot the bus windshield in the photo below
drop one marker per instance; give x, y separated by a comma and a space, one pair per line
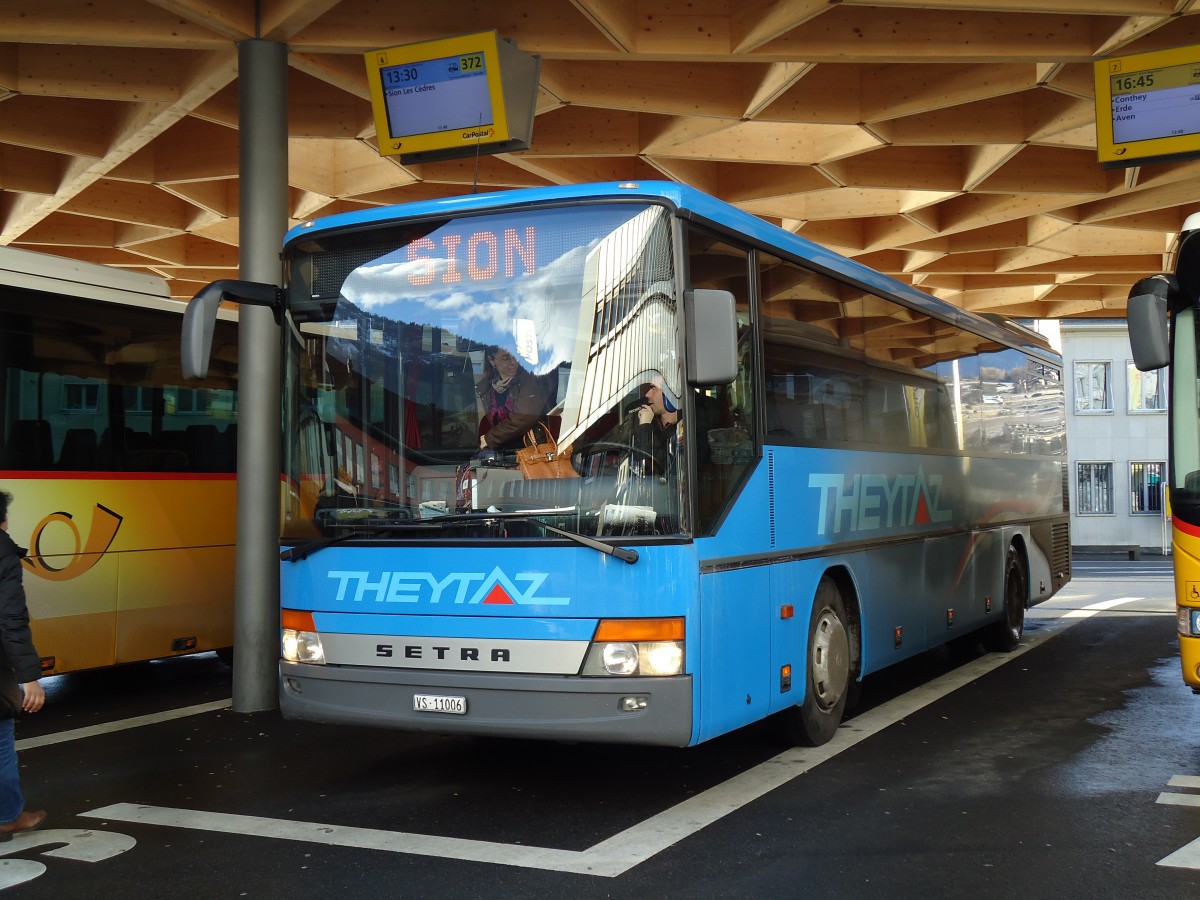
440, 373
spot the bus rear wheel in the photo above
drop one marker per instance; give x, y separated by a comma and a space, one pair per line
827, 670
1004, 636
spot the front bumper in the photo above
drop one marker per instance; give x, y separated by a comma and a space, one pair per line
550, 707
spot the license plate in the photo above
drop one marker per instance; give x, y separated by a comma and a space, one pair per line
438, 704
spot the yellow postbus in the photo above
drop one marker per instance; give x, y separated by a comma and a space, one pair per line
122, 476
1153, 302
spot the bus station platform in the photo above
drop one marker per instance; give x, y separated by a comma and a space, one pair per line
1070, 768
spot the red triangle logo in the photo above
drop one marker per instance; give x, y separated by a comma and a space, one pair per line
498, 595
922, 517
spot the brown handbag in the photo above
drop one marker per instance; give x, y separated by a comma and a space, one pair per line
541, 456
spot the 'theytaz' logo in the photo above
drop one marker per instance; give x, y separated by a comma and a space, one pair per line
496, 589
854, 503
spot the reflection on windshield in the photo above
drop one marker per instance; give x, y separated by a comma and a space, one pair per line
488, 363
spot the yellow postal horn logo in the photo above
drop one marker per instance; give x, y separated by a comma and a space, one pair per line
105, 524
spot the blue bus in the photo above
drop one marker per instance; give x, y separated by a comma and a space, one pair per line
847, 471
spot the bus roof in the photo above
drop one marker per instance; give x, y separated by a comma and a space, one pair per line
90, 281
693, 203
60, 275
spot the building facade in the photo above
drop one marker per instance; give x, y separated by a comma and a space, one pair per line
1116, 441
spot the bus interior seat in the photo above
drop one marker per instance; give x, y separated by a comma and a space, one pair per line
115, 447
80, 450
30, 445
176, 451
210, 449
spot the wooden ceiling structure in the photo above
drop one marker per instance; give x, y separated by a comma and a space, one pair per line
949, 143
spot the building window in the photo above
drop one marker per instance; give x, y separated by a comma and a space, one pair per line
1145, 488
139, 400
81, 397
1094, 488
1147, 390
1092, 387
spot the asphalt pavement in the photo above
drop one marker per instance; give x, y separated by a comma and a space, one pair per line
1070, 768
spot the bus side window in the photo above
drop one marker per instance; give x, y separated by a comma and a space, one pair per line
724, 431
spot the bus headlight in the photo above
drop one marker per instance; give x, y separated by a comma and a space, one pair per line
620, 659
648, 647
1189, 621
662, 658
302, 646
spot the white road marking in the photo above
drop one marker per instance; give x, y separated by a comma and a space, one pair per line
621, 852
1187, 856
18, 871
83, 845
121, 725
1092, 609
1170, 799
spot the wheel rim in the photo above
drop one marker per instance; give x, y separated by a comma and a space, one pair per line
830, 659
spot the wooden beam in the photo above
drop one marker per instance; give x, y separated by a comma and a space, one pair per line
139, 126
901, 168
613, 19
578, 131
844, 34
756, 23
894, 91
85, 23
770, 142
776, 81
30, 171
692, 90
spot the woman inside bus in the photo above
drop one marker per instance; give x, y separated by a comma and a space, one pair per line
513, 400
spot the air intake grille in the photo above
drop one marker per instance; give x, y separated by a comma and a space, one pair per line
771, 493
1060, 563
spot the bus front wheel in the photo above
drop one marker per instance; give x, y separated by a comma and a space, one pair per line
1004, 636
828, 670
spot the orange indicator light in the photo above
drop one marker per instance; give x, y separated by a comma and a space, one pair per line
297, 620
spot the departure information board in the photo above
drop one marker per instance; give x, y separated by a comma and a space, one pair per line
451, 97
1148, 107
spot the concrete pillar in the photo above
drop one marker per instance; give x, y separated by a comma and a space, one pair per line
263, 166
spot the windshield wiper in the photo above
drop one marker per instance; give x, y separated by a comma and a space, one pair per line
621, 553
295, 554
299, 552
629, 556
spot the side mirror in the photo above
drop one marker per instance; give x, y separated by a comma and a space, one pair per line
200, 318
711, 337
1146, 317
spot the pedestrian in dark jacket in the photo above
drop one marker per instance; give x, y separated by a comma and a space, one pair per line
20, 690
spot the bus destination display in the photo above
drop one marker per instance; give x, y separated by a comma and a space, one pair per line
429, 96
